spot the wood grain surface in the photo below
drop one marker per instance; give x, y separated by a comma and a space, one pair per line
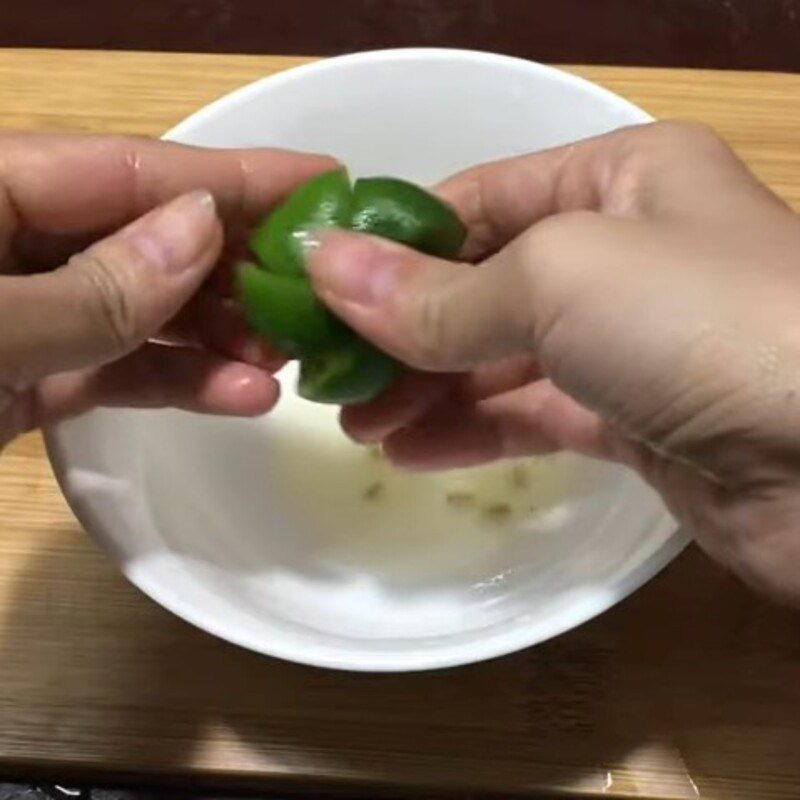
689, 689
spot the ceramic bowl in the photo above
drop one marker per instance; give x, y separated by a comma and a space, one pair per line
271, 533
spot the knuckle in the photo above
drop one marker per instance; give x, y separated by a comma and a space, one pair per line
551, 270
431, 320
429, 332
548, 240
649, 153
682, 137
689, 132
106, 299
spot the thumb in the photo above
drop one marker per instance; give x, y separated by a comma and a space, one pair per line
432, 314
109, 299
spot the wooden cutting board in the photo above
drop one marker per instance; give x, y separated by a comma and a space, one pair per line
689, 689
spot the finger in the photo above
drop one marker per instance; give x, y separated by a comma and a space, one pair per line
45, 178
34, 251
410, 397
236, 249
417, 392
218, 324
533, 420
633, 171
499, 377
157, 377
450, 436
499, 200
38, 251
110, 298
432, 314
440, 316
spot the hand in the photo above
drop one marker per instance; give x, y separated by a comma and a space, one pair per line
81, 335
638, 299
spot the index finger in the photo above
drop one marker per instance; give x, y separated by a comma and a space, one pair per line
75, 184
498, 200
664, 167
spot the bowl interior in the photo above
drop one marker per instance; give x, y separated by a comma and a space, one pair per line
280, 535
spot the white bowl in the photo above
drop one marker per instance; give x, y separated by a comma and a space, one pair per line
257, 531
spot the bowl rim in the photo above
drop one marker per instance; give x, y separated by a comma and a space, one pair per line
401, 54
416, 659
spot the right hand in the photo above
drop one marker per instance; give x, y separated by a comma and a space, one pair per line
638, 300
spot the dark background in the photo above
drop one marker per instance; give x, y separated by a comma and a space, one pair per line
724, 34
728, 34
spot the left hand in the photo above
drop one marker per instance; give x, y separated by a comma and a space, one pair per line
139, 226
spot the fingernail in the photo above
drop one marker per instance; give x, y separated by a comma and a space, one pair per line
175, 236
353, 268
